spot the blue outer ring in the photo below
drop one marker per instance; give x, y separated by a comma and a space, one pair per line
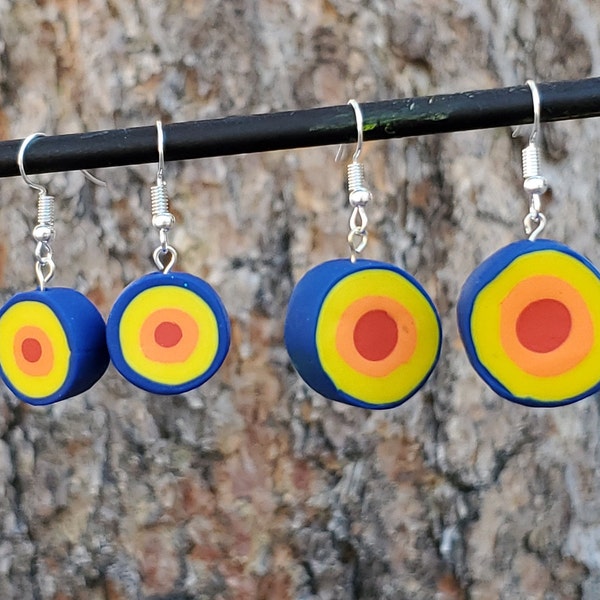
485, 273
183, 280
85, 332
302, 316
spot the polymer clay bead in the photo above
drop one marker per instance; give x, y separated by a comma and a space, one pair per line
168, 333
529, 318
53, 345
364, 333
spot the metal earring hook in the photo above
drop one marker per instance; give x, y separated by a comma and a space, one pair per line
537, 110
359, 133
359, 128
160, 142
21, 163
162, 219
534, 183
359, 194
37, 186
43, 232
537, 113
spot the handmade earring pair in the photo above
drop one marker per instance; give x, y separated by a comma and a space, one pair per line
528, 315
365, 333
167, 332
359, 331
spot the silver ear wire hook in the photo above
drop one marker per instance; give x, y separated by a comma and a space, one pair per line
537, 110
359, 195
534, 183
359, 128
160, 139
43, 232
162, 219
94, 179
359, 139
37, 186
537, 117
21, 160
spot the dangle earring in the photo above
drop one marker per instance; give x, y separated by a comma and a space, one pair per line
167, 332
528, 315
359, 331
53, 339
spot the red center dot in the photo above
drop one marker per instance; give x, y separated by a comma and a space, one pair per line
544, 325
167, 334
31, 350
375, 335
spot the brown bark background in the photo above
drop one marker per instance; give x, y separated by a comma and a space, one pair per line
253, 486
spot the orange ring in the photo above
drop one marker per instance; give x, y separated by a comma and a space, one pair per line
403, 349
177, 350
571, 351
32, 340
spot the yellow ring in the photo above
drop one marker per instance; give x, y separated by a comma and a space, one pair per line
402, 380
141, 308
486, 326
23, 314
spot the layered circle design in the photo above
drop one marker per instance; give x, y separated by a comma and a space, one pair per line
168, 333
363, 333
53, 345
529, 317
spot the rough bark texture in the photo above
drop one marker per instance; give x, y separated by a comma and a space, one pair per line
253, 486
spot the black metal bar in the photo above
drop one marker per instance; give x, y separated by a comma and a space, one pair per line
406, 117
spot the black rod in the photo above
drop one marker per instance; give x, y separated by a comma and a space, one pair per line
405, 117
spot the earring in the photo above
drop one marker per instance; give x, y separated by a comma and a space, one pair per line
53, 339
167, 332
362, 332
528, 314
